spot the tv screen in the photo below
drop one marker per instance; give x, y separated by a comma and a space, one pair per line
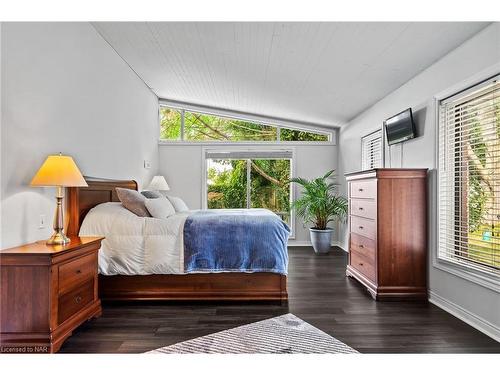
400, 127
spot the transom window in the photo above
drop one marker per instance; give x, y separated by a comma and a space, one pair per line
469, 178
189, 126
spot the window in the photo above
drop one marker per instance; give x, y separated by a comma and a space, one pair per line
170, 120
469, 178
300, 135
203, 127
371, 150
249, 179
183, 125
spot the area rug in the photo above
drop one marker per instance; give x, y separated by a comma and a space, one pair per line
285, 334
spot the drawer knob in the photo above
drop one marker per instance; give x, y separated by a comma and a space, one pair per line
361, 246
360, 227
78, 271
360, 189
78, 299
361, 264
360, 208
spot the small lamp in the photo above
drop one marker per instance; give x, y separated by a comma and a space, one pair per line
158, 183
60, 171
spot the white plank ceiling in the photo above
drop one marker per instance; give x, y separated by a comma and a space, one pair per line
319, 73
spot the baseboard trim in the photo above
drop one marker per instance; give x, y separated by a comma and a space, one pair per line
468, 317
308, 243
299, 243
340, 245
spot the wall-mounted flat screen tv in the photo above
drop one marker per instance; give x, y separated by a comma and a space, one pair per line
400, 127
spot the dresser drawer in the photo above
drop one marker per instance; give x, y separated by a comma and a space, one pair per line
75, 300
364, 227
363, 189
363, 246
363, 264
364, 208
76, 271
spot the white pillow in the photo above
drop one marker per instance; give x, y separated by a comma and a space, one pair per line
160, 208
178, 204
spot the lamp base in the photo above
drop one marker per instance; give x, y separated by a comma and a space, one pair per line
58, 238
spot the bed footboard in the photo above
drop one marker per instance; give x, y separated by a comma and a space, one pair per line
195, 287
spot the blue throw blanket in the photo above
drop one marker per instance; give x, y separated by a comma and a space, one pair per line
252, 240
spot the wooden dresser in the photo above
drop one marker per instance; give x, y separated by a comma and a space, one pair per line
388, 232
46, 292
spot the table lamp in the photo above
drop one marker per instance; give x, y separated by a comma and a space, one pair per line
158, 183
59, 171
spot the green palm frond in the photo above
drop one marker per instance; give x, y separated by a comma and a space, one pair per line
319, 203
300, 181
328, 174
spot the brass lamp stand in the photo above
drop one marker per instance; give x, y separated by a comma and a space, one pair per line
58, 237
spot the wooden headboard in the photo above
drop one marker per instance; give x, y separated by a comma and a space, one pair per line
82, 199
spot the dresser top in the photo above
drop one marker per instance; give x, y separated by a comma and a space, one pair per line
389, 173
40, 247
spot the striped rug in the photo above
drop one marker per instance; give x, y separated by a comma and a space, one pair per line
283, 334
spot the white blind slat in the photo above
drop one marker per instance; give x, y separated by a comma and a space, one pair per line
371, 150
469, 178
250, 154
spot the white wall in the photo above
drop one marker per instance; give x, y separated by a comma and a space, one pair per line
472, 302
182, 167
65, 90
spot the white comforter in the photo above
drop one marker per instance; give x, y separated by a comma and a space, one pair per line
136, 245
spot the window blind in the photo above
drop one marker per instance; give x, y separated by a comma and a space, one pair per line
249, 154
469, 178
371, 150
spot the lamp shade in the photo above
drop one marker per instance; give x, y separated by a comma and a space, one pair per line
158, 183
58, 170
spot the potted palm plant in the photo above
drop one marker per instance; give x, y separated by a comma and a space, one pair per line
320, 205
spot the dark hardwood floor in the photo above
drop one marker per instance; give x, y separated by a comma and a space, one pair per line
319, 293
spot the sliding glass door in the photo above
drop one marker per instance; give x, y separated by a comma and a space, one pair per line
269, 186
249, 179
227, 183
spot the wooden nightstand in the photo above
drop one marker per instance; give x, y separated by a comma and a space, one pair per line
46, 292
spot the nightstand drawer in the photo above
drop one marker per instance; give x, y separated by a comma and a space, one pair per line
362, 263
75, 300
76, 271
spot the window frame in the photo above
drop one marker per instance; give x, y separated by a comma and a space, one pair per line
204, 175
382, 150
476, 276
277, 123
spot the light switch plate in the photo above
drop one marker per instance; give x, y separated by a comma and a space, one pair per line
42, 221
147, 164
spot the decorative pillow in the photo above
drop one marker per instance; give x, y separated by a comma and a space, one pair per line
133, 201
160, 208
178, 204
152, 194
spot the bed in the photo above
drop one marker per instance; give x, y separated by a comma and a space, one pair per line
201, 286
